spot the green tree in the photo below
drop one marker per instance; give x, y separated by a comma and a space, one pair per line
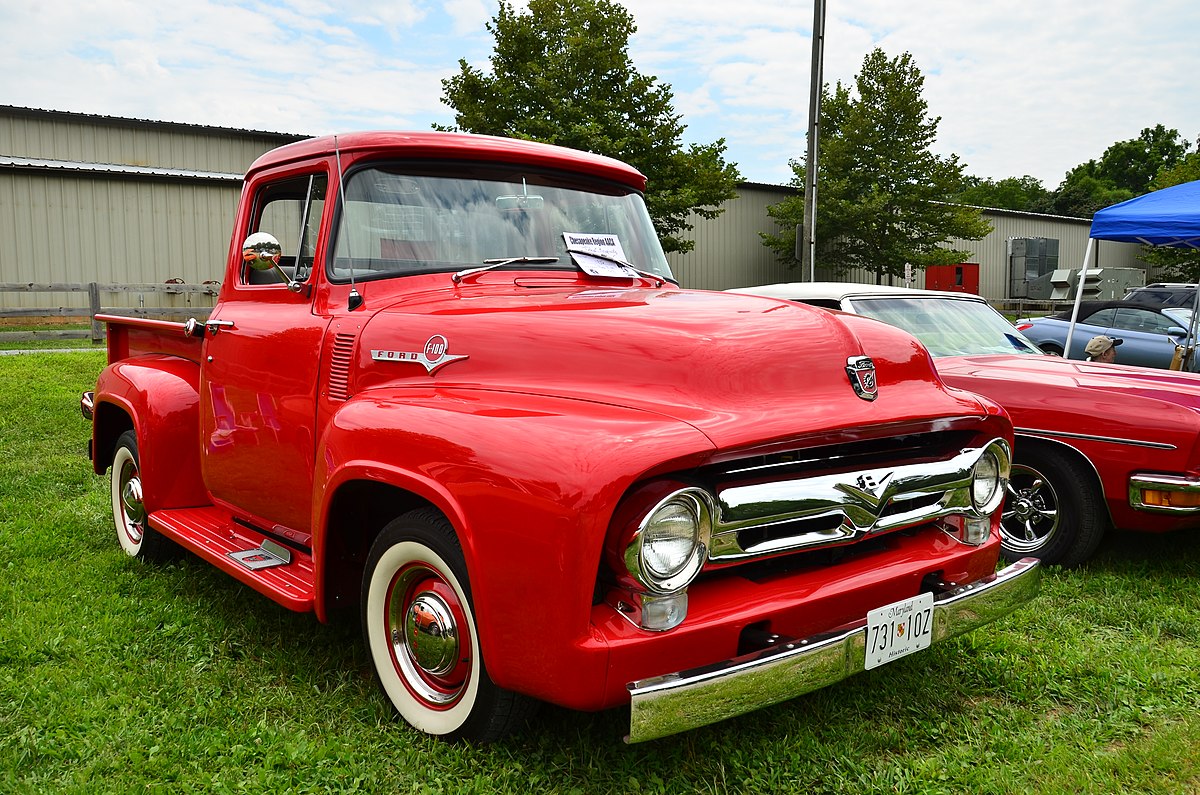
1126, 169
1176, 264
1012, 193
882, 199
561, 73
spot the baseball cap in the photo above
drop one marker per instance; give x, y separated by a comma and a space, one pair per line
1100, 344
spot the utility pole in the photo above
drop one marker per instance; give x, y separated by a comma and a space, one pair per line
808, 246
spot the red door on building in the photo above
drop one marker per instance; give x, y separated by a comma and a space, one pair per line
962, 278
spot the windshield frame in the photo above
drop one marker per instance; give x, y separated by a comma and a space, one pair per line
943, 339
524, 191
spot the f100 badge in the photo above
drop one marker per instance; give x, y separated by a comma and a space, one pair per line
431, 358
862, 377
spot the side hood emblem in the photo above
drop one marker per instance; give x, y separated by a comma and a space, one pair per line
862, 377
431, 358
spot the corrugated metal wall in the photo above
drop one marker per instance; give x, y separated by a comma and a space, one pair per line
100, 139
729, 252
67, 228
60, 223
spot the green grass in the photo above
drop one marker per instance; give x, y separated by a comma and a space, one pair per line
119, 677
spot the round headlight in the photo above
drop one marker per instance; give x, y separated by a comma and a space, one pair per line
668, 547
669, 538
988, 477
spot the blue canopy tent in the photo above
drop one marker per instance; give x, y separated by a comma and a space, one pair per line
1169, 217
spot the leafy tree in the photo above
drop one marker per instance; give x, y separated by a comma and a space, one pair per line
1126, 169
883, 195
1176, 264
1012, 193
561, 73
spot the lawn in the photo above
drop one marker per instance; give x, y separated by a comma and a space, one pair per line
120, 677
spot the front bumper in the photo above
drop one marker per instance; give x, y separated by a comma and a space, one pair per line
1175, 494
665, 705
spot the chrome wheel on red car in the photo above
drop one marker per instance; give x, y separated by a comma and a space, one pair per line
1052, 510
420, 630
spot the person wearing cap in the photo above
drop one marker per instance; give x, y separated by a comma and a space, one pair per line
1102, 349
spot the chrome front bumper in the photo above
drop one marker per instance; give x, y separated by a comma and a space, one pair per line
665, 705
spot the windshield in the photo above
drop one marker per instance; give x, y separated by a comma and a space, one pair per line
1183, 317
949, 326
402, 219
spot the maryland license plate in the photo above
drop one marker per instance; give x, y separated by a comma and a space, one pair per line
899, 629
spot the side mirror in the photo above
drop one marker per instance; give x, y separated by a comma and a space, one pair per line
1176, 331
261, 252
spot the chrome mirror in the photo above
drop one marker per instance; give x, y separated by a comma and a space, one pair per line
261, 252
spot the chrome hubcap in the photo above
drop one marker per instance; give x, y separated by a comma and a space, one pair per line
432, 634
424, 621
1030, 516
132, 507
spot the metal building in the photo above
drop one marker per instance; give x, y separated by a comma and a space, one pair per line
87, 198
729, 250
119, 201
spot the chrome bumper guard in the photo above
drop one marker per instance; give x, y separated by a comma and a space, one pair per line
665, 705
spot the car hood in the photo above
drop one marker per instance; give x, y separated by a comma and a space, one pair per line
1071, 396
744, 370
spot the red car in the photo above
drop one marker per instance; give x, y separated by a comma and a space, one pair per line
1097, 445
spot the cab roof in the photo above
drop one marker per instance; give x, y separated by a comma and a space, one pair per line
452, 146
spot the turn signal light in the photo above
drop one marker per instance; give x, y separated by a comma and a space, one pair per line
1171, 499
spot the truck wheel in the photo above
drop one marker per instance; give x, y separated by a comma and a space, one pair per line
1053, 511
129, 511
419, 627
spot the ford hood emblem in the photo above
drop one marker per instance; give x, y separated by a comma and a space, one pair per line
862, 377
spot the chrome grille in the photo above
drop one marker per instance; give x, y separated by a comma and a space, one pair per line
765, 518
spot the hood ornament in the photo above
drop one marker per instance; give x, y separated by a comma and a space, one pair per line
862, 377
432, 357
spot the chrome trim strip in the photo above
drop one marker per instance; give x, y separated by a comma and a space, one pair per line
665, 705
1180, 483
844, 507
1092, 438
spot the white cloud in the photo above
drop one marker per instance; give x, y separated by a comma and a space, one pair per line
1022, 87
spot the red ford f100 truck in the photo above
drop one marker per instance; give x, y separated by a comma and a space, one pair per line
450, 387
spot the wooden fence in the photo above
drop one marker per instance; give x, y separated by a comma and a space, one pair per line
93, 292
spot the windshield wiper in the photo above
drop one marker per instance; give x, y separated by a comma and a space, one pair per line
492, 264
661, 280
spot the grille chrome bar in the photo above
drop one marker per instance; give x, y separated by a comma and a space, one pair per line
765, 518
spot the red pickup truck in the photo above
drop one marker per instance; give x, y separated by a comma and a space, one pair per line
450, 387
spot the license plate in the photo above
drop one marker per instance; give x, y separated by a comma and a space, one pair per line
899, 629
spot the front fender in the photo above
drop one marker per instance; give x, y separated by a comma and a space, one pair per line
160, 395
529, 483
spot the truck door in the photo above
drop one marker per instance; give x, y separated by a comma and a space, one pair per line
259, 377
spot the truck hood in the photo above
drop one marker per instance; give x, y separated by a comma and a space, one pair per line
742, 369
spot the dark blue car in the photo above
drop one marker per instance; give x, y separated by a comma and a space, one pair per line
1149, 334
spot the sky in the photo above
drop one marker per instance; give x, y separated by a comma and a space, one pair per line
1022, 87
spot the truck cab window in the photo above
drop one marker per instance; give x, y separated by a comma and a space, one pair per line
291, 211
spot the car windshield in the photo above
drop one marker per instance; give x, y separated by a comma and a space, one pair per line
1183, 317
948, 326
404, 219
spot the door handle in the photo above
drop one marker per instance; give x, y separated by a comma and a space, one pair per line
196, 328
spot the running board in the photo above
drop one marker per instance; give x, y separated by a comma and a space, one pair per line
285, 575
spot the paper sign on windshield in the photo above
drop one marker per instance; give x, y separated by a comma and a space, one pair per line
598, 254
